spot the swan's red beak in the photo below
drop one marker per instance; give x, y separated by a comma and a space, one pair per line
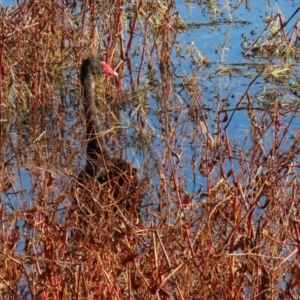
108, 69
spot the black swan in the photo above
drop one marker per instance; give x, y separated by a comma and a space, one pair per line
115, 173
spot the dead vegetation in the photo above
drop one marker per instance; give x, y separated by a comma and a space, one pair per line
275, 40
219, 217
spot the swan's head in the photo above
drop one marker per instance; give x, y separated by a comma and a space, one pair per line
95, 65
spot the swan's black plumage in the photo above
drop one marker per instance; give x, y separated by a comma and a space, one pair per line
96, 141
107, 185
100, 165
